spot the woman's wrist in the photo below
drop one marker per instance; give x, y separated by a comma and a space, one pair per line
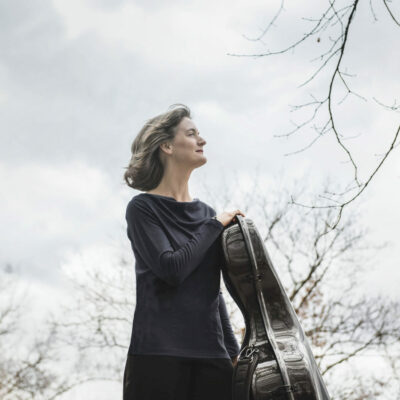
215, 217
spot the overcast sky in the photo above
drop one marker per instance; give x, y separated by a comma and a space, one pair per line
78, 79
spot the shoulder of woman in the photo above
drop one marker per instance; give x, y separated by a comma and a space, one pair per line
138, 206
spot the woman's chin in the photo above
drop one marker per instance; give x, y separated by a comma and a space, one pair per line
202, 161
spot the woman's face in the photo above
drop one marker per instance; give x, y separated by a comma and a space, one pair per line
187, 143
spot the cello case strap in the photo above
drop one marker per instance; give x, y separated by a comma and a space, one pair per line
242, 377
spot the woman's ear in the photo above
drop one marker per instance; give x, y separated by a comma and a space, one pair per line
166, 147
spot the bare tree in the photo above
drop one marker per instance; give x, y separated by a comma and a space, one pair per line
97, 321
332, 30
323, 276
30, 366
392, 357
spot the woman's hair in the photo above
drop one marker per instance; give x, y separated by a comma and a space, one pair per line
145, 169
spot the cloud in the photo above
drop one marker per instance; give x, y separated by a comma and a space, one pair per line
47, 210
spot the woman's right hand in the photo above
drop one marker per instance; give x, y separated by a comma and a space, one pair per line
226, 217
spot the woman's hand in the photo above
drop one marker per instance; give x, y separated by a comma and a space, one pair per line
234, 360
226, 217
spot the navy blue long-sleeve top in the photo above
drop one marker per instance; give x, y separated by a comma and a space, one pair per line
180, 309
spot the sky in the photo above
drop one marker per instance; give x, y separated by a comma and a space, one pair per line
78, 79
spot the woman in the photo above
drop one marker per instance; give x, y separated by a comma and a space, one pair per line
182, 344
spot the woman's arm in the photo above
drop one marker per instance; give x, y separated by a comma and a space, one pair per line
153, 246
230, 341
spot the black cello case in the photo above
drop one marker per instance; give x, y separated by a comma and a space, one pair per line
275, 360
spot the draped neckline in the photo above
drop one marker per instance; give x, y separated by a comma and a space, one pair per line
195, 199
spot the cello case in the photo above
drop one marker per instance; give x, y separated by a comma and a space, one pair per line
275, 360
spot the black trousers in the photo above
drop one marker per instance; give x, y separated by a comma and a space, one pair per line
158, 377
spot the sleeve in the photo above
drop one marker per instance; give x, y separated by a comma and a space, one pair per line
230, 341
153, 246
